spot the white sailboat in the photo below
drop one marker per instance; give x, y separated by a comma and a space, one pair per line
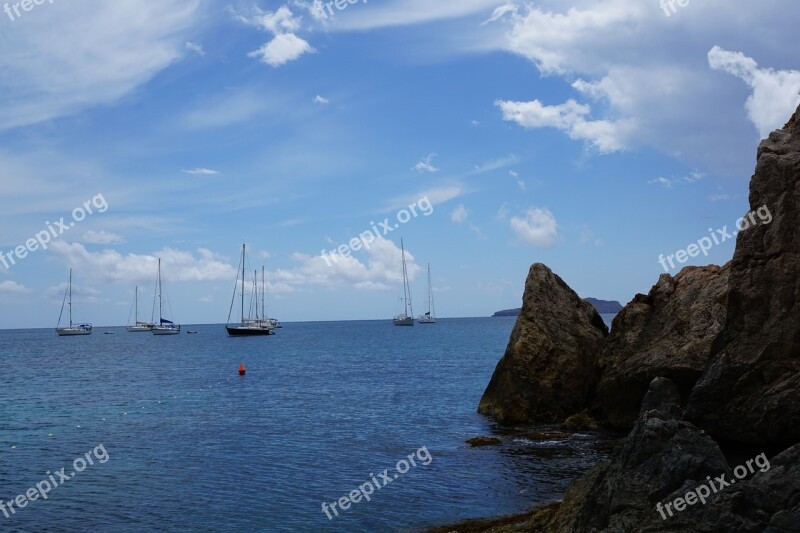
430, 316
164, 326
138, 326
406, 318
73, 329
254, 324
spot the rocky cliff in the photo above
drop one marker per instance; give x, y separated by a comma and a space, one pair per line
749, 392
704, 368
549, 369
667, 333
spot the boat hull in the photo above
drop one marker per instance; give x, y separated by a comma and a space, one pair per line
73, 332
403, 321
157, 330
139, 329
248, 331
427, 320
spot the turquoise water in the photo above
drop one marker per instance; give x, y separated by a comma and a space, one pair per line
193, 446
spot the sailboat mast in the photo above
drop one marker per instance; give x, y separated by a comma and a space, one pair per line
430, 290
263, 295
136, 302
406, 288
243, 267
160, 311
70, 297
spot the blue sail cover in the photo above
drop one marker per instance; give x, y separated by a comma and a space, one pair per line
165, 321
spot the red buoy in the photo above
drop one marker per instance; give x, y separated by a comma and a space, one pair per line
242, 370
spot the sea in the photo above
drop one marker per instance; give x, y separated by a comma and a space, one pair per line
123, 431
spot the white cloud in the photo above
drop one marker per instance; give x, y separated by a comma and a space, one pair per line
587, 237
538, 227
776, 93
571, 118
112, 266
285, 45
233, 107
283, 48
196, 48
436, 196
280, 21
460, 214
401, 13
201, 171
67, 57
426, 165
381, 269
520, 183
321, 100
664, 182
102, 237
12, 287
643, 79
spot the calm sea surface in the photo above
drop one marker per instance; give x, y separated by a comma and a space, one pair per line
192, 446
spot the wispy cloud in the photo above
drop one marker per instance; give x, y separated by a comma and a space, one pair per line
201, 171
196, 48
102, 237
321, 100
426, 165
12, 287
128, 43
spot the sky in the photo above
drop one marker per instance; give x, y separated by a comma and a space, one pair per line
592, 136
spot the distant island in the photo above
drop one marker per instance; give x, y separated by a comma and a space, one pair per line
603, 307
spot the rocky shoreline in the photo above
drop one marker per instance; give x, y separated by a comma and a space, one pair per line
703, 373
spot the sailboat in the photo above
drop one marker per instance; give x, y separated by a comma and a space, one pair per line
138, 326
73, 329
164, 326
254, 324
430, 316
407, 317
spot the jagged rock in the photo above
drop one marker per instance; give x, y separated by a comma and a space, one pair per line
549, 369
661, 455
748, 393
666, 333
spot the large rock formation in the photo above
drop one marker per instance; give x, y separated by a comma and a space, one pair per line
661, 455
663, 459
749, 391
667, 333
549, 369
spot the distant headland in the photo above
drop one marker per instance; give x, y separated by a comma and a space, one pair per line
603, 307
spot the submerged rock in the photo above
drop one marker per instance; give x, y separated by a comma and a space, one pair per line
483, 441
549, 370
748, 393
667, 333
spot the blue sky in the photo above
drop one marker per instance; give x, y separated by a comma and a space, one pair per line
592, 136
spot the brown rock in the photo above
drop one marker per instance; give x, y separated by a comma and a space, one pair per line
483, 441
667, 333
549, 369
748, 394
